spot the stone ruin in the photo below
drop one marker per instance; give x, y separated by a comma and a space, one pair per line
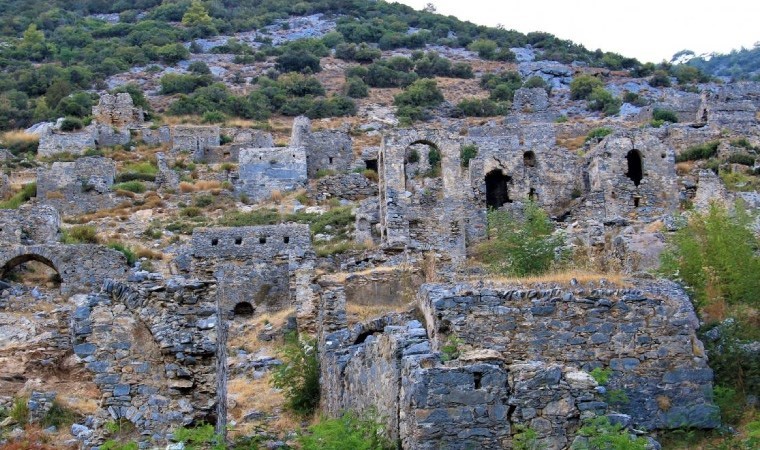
77, 187
195, 139
117, 111
263, 171
325, 150
526, 357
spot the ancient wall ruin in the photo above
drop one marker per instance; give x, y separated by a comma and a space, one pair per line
265, 170
194, 139
325, 150
77, 187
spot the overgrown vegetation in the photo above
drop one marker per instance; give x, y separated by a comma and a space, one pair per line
603, 435
199, 437
466, 153
25, 194
80, 234
415, 101
347, 432
298, 375
695, 152
521, 246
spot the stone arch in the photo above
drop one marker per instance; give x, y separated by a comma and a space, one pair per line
243, 309
635, 166
24, 255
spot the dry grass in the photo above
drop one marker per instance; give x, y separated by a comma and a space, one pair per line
685, 167
200, 185
363, 313
571, 143
276, 196
247, 337
19, 136
54, 195
142, 252
259, 395
560, 278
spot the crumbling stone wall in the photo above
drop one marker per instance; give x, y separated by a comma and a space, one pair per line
327, 149
194, 139
645, 335
728, 108
77, 187
265, 170
152, 351
350, 186
29, 225
154, 136
685, 105
255, 265
117, 111
631, 174
53, 141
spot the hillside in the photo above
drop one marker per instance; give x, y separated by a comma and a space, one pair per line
352, 225
741, 64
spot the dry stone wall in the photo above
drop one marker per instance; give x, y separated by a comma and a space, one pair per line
265, 170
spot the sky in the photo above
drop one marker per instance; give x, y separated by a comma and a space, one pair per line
650, 30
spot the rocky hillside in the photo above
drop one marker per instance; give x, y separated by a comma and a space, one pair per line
349, 224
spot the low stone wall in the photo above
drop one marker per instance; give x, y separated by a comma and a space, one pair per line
350, 186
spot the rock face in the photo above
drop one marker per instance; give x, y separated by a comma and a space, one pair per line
535, 347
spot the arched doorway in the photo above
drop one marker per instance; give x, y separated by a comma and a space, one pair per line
243, 309
529, 159
33, 270
635, 166
497, 189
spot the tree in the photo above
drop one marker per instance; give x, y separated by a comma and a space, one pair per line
196, 15
581, 86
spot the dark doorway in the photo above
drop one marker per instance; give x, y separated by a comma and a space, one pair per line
529, 159
635, 167
497, 190
243, 309
371, 164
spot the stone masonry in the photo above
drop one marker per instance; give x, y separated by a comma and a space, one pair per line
265, 170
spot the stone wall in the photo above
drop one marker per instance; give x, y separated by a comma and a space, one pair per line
645, 335
151, 348
350, 186
29, 225
631, 175
265, 170
117, 111
53, 141
77, 187
325, 150
194, 139
266, 242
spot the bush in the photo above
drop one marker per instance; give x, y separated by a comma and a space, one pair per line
597, 134
126, 251
582, 86
200, 437
175, 83
298, 375
347, 432
485, 48
714, 256
423, 93
298, 61
356, 88
135, 186
71, 124
536, 82
664, 115
80, 234
660, 78
702, 151
27, 192
520, 247
478, 107
741, 158
213, 117
466, 153
601, 99
256, 217
603, 435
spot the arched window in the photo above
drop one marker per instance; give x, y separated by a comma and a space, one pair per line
243, 309
529, 159
497, 190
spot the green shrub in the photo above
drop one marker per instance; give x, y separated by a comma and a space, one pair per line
191, 211
19, 410
298, 61
347, 432
200, 437
525, 438
27, 192
450, 349
135, 186
660, 78
356, 88
664, 115
199, 68
742, 142
174, 83
714, 257
597, 134
140, 171
481, 107
466, 153
59, 416
583, 85
71, 124
298, 375
602, 376
422, 93
741, 158
520, 247
201, 201
213, 117
702, 151
115, 445
80, 234
603, 435
126, 251
536, 82
602, 100
485, 48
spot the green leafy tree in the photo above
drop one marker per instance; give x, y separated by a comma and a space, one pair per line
715, 257
528, 246
582, 86
298, 375
196, 15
